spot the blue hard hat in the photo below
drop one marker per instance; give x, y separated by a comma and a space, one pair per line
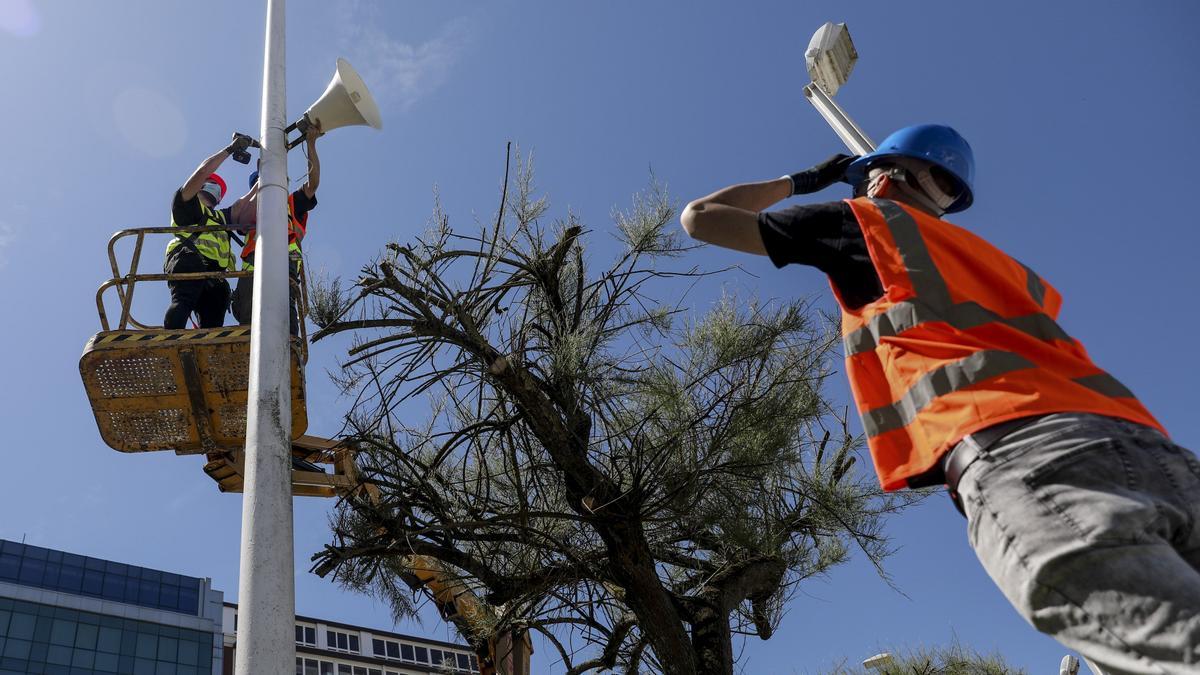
253, 179
934, 143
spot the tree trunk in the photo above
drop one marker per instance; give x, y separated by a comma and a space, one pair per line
712, 641
658, 619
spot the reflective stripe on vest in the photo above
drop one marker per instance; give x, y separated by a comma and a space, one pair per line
941, 355
296, 231
211, 245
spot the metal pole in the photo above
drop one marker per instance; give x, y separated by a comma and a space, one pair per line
850, 133
266, 588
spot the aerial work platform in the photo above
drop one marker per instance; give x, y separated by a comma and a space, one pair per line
154, 389
181, 390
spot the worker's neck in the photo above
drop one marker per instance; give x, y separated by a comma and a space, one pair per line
893, 192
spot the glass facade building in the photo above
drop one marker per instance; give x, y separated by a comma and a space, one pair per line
37, 638
66, 614
92, 577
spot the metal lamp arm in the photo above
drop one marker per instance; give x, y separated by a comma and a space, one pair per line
846, 129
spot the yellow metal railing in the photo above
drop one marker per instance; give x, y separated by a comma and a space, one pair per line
125, 283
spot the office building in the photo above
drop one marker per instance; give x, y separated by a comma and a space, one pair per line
68, 614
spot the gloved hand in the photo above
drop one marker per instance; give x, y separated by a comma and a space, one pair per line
239, 144
822, 175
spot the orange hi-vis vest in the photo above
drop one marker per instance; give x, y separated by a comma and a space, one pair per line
296, 230
963, 338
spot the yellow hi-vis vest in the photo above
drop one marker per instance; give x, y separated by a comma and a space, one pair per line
211, 245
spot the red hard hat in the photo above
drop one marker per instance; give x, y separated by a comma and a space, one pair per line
219, 181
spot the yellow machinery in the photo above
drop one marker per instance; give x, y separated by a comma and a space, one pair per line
154, 389
185, 390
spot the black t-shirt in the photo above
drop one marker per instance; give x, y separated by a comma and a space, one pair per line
189, 212
828, 237
302, 203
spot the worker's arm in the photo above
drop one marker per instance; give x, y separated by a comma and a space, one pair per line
245, 210
729, 217
314, 163
193, 184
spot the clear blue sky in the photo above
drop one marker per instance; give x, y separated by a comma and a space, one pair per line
1082, 116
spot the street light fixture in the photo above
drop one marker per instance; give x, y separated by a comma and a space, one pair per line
879, 662
829, 58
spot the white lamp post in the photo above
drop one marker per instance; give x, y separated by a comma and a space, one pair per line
266, 585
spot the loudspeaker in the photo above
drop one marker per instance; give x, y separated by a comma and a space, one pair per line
346, 102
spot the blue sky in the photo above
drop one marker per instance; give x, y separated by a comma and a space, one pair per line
1081, 115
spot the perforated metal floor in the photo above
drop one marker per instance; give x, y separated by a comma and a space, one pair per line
175, 390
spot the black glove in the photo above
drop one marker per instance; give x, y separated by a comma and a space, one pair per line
822, 175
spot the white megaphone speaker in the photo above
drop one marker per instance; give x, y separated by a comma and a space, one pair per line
346, 102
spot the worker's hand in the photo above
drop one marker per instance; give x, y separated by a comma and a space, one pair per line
313, 132
821, 176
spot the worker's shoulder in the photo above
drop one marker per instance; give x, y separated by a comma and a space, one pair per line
301, 199
812, 211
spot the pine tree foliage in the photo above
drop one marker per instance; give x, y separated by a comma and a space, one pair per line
638, 484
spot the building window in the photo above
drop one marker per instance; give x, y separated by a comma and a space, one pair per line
306, 635
406, 652
342, 642
422, 655
440, 657
389, 649
327, 668
344, 669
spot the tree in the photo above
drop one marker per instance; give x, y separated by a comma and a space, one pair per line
591, 460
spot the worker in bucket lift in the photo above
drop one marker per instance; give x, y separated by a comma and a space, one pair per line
1079, 506
195, 203
300, 203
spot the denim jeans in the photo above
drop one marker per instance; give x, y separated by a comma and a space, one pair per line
1090, 526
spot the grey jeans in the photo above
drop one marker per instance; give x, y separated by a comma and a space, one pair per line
1090, 526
